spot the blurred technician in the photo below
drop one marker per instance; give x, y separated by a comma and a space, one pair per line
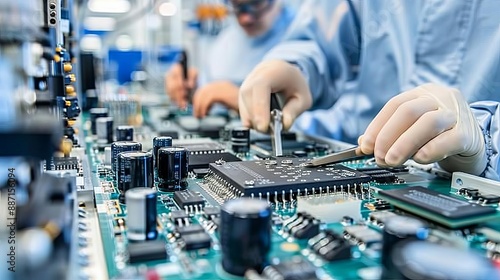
236, 51
350, 58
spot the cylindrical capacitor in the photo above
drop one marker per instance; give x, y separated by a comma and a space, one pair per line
104, 128
240, 140
124, 133
172, 168
400, 228
159, 142
94, 114
425, 260
135, 170
245, 227
122, 146
141, 214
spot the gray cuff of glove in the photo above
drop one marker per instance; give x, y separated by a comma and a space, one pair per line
474, 164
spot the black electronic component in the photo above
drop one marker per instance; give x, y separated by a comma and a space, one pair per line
96, 113
471, 193
380, 217
208, 147
140, 252
426, 260
200, 172
245, 227
435, 203
240, 140
119, 147
135, 170
362, 235
330, 246
172, 169
400, 228
104, 130
190, 229
141, 214
197, 161
210, 213
160, 142
196, 241
295, 269
488, 199
62, 163
125, 133
302, 226
189, 200
178, 214
284, 178
380, 175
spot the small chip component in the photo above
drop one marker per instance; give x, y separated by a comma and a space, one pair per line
379, 218
488, 199
210, 213
471, 193
147, 251
178, 214
302, 226
200, 172
330, 246
195, 241
189, 200
294, 269
362, 235
190, 229
62, 163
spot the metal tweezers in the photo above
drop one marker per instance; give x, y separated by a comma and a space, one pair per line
344, 155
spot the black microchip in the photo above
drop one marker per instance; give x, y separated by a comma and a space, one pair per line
188, 198
190, 229
62, 163
195, 241
147, 251
296, 269
201, 147
178, 214
282, 176
488, 199
197, 161
209, 212
437, 203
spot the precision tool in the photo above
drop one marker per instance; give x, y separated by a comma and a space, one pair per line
276, 125
344, 155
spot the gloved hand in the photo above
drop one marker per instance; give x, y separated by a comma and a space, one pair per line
177, 87
273, 77
217, 92
430, 123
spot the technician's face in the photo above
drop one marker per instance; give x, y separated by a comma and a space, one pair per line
254, 16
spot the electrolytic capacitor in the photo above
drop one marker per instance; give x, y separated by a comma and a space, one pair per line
245, 227
172, 169
135, 170
141, 214
125, 133
122, 146
94, 114
104, 129
159, 142
397, 229
240, 140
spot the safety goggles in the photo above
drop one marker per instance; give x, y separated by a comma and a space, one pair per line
255, 8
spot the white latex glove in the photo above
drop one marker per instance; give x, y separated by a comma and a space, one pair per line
273, 77
430, 123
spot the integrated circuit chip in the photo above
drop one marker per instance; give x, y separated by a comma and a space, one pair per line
147, 251
188, 198
283, 177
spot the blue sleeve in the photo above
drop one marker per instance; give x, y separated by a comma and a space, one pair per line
321, 41
488, 115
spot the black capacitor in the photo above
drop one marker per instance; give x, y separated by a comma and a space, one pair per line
400, 228
160, 142
172, 169
94, 114
245, 235
122, 146
425, 260
135, 170
240, 140
141, 214
124, 133
104, 129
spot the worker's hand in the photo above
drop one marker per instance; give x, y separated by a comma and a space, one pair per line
273, 77
430, 123
217, 92
177, 87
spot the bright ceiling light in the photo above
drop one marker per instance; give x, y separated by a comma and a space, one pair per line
109, 6
99, 23
167, 9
